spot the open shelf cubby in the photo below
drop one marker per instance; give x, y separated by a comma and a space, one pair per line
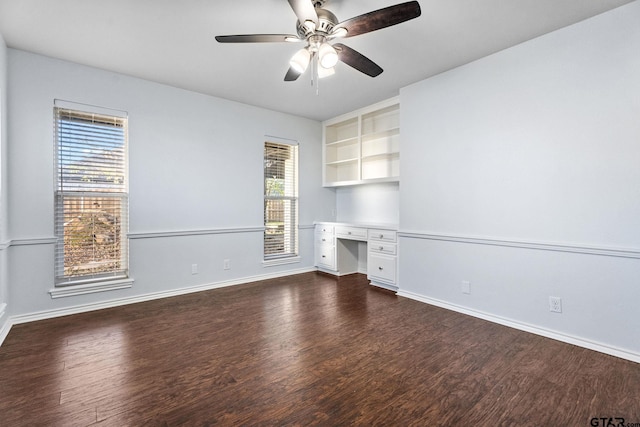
363, 146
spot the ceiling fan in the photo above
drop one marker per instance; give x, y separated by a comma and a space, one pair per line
317, 27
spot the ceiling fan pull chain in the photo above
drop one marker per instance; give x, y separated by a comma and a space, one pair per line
315, 73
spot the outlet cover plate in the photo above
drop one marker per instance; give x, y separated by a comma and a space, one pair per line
555, 304
466, 287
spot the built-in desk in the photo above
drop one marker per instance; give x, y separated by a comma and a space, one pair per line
338, 245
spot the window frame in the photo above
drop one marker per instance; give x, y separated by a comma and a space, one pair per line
289, 196
113, 195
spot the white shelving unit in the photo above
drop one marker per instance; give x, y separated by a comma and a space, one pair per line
363, 146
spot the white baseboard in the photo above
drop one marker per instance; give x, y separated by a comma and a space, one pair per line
50, 314
5, 325
4, 330
580, 342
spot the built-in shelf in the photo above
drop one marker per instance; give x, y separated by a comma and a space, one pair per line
380, 156
340, 162
363, 146
381, 134
347, 141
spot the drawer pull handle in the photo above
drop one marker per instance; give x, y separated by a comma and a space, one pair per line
324, 256
380, 268
324, 240
381, 248
381, 236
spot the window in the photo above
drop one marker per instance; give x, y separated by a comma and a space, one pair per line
91, 200
280, 200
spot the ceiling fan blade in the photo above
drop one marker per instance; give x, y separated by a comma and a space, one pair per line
258, 38
380, 18
291, 75
304, 10
355, 59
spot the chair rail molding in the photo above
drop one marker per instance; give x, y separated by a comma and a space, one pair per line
182, 233
525, 244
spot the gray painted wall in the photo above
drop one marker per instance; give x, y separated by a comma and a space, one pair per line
195, 163
519, 173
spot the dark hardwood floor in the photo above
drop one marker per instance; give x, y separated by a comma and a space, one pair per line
302, 350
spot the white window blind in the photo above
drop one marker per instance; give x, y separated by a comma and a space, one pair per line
280, 200
91, 212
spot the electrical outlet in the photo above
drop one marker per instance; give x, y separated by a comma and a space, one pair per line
555, 304
194, 268
227, 264
466, 287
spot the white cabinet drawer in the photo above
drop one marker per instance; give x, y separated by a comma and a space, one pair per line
324, 229
382, 247
383, 235
325, 257
324, 239
382, 267
353, 233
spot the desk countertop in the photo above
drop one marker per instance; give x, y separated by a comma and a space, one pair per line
383, 226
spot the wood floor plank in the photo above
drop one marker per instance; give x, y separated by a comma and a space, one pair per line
301, 350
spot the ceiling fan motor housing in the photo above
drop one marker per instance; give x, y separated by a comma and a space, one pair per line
326, 22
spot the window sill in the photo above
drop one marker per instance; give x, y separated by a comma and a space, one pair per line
280, 261
90, 288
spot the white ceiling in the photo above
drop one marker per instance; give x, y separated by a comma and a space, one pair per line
172, 42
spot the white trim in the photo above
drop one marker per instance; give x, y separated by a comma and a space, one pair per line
281, 261
281, 140
338, 273
5, 326
580, 342
89, 108
90, 288
153, 235
383, 285
34, 241
49, 314
306, 227
362, 111
5, 329
545, 246
149, 235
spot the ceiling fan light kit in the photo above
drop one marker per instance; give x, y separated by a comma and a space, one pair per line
317, 26
325, 72
327, 55
300, 61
